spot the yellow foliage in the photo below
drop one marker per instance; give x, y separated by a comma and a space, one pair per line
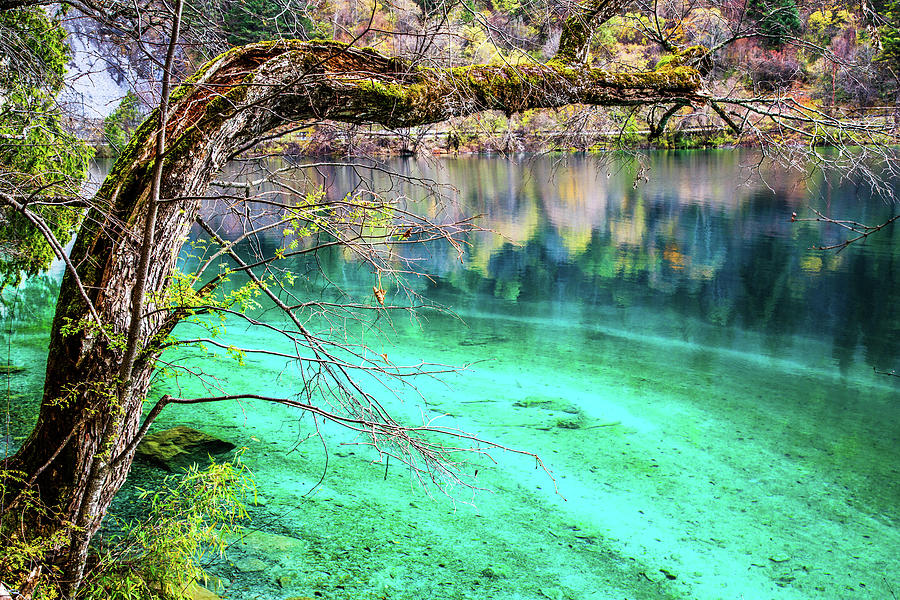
824, 24
820, 20
674, 257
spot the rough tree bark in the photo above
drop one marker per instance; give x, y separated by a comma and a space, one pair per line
233, 101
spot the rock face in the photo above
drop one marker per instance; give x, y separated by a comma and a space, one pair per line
103, 68
177, 448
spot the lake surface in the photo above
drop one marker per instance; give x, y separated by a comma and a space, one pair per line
705, 387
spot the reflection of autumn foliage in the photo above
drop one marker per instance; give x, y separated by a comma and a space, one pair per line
675, 258
667, 230
582, 205
660, 228
716, 251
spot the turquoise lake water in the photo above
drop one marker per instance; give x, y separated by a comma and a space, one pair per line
705, 388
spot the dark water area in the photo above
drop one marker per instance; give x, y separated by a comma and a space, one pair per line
700, 249
706, 387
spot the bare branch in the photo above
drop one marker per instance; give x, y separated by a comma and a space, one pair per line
440, 466
860, 231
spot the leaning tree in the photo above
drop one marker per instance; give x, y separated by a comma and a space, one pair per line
122, 293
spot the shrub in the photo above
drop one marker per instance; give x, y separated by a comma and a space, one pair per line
823, 25
858, 83
190, 517
249, 21
774, 69
890, 37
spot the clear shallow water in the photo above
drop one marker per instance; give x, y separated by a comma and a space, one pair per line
697, 378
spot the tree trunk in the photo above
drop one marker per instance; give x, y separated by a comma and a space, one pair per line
231, 102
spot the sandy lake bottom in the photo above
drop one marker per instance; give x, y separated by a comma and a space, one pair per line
676, 471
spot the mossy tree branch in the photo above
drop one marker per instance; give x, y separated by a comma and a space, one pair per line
251, 90
575, 41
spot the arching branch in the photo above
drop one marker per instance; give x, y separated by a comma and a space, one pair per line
657, 129
249, 91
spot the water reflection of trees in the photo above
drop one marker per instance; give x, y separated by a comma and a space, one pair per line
696, 245
699, 242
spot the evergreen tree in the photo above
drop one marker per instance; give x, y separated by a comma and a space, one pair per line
890, 36
776, 20
38, 157
250, 21
121, 123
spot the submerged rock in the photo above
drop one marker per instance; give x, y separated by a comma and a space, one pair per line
490, 573
270, 547
250, 565
287, 579
545, 403
197, 592
483, 339
179, 447
193, 591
